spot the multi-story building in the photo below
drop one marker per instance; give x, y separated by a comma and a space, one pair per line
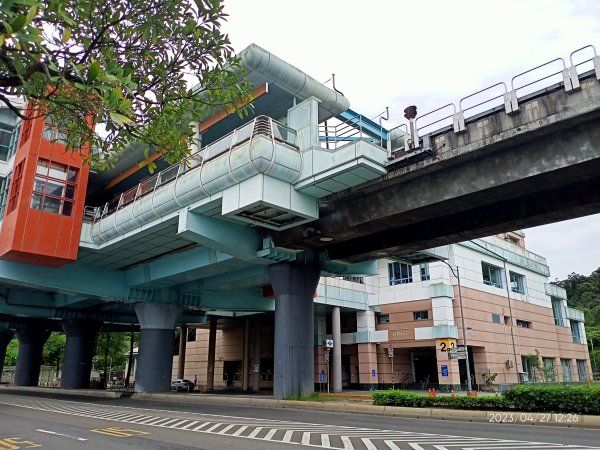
399, 327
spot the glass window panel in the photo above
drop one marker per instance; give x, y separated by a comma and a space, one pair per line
52, 205
38, 184
42, 167
67, 208
72, 177
55, 188
70, 191
58, 171
36, 201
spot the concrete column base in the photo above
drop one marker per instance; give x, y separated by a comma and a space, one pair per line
155, 356
31, 344
294, 286
79, 351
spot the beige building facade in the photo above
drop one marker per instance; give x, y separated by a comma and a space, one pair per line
404, 327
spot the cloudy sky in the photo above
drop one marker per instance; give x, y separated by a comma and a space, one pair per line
429, 53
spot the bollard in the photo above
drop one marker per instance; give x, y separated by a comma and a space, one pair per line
470, 394
429, 392
452, 393
433, 392
474, 393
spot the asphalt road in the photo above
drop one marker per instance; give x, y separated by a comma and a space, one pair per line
47, 422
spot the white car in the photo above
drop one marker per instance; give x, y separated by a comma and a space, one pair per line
183, 385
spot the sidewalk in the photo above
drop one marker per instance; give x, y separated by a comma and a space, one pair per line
351, 402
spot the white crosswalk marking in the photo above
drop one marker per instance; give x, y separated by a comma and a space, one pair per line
326, 436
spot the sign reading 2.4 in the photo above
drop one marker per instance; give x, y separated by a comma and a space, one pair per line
446, 344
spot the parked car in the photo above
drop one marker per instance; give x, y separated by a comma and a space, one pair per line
183, 385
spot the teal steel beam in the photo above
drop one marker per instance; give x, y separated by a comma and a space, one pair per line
252, 276
172, 269
234, 300
72, 279
239, 241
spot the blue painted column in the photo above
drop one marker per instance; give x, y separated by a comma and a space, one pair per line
77, 363
5, 338
31, 344
155, 355
294, 286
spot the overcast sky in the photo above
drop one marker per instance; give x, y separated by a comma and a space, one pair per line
429, 53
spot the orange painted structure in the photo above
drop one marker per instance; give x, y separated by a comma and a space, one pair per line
46, 199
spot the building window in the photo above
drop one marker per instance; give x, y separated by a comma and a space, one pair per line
566, 369
53, 133
399, 273
576, 332
421, 315
4, 185
549, 369
382, 318
496, 318
191, 334
559, 312
517, 282
492, 275
16, 187
523, 324
54, 188
424, 269
8, 140
360, 280
581, 370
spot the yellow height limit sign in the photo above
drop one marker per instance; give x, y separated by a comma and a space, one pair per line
446, 344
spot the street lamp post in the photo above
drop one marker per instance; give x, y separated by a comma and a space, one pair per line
462, 318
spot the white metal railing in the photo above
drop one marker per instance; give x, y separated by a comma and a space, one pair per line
261, 125
347, 131
501, 95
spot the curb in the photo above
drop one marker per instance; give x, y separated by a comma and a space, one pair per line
353, 407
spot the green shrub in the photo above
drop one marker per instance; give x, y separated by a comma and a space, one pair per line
402, 398
409, 399
557, 398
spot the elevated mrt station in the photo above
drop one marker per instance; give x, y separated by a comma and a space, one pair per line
240, 233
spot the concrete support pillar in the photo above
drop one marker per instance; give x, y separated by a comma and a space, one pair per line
5, 337
246, 357
182, 348
336, 360
294, 286
256, 356
31, 344
155, 355
212, 342
448, 370
79, 350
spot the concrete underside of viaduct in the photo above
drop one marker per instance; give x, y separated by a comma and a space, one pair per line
549, 175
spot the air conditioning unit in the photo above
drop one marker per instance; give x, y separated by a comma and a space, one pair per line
509, 364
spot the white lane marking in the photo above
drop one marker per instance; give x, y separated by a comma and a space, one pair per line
240, 430
287, 437
391, 445
415, 446
61, 434
270, 434
368, 444
190, 425
176, 425
255, 432
214, 427
305, 438
202, 425
325, 441
347, 443
226, 429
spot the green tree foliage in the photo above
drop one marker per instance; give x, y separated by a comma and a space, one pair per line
125, 66
12, 352
54, 350
584, 293
118, 346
